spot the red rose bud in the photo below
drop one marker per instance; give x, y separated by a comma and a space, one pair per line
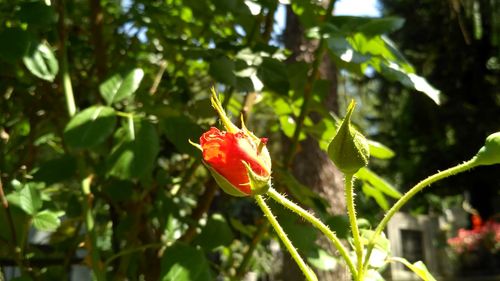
241, 166
237, 159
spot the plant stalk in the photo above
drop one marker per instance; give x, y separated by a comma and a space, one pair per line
310, 275
97, 265
351, 212
412, 192
65, 78
317, 224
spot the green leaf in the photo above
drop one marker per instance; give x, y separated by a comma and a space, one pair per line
347, 25
418, 268
306, 11
247, 230
379, 197
273, 73
302, 235
411, 80
180, 129
47, 220
373, 275
299, 191
41, 61
216, 233
37, 14
379, 150
181, 262
118, 88
340, 47
30, 199
119, 190
134, 158
379, 26
382, 243
90, 127
19, 218
340, 224
322, 260
18, 43
222, 70
56, 170
377, 182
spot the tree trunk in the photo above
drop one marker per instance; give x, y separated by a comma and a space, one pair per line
312, 167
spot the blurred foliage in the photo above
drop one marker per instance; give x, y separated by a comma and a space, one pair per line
455, 44
116, 184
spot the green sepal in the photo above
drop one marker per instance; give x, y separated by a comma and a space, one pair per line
223, 183
489, 154
258, 184
349, 149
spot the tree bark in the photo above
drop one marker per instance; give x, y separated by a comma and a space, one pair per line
311, 166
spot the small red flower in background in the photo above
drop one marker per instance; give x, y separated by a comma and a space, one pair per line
237, 159
482, 236
226, 153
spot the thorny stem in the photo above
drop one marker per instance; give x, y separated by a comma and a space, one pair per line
316, 223
351, 212
310, 275
412, 192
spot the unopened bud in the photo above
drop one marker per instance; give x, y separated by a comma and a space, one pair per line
349, 149
489, 154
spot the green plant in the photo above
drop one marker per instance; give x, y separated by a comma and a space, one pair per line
228, 160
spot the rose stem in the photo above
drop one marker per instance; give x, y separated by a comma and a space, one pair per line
310, 275
316, 223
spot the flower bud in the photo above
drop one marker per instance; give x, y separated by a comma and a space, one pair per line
349, 149
489, 154
237, 159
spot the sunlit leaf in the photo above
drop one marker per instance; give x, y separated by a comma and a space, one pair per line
378, 26
418, 268
118, 87
182, 262
41, 61
47, 220
90, 127
377, 182
134, 158
322, 260
30, 199
373, 275
215, 233
369, 191
379, 150
381, 243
